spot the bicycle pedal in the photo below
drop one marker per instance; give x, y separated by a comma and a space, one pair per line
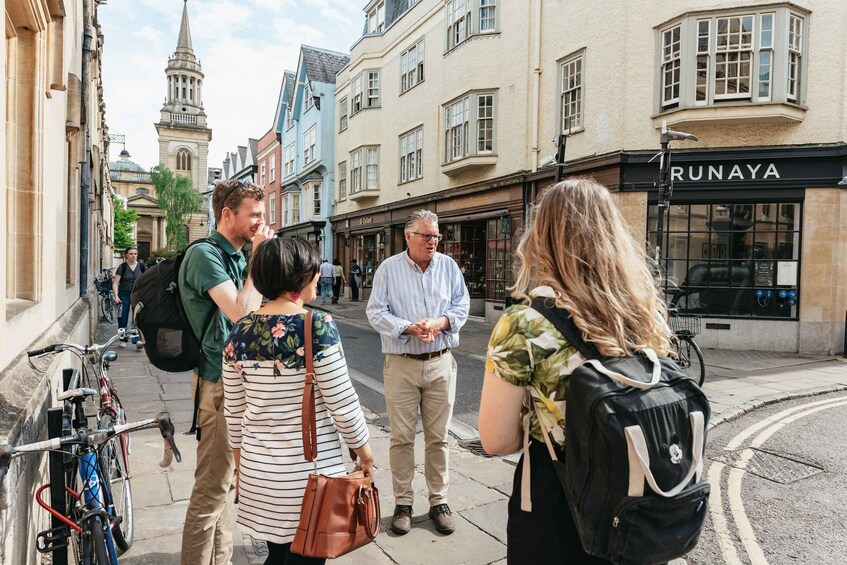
51, 540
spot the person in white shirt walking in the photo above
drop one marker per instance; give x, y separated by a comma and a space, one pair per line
327, 272
418, 304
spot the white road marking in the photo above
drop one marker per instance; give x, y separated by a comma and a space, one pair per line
725, 542
767, 428
741, 437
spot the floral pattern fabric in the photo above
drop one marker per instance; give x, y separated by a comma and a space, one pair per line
278, 337
526, 350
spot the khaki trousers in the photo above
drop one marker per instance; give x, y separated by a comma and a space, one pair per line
207, 534
428, 386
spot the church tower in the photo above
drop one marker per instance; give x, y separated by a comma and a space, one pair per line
183, 135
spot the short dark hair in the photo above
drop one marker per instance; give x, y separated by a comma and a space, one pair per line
130, 248
284, 264
230, 193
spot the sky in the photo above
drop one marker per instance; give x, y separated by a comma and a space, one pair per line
243, 46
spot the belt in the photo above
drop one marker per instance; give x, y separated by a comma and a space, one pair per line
426, 356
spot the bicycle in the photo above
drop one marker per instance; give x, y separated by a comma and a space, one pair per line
97, 358
108, 306
90, 519
689, 356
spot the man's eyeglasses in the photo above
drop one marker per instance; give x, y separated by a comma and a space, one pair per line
428, 236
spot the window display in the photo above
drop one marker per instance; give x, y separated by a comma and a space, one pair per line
731, 259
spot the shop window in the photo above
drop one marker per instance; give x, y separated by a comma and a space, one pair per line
734, 259
498, 264
465, 243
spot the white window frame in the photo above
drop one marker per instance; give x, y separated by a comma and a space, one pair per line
262, 175
412, 66
288, 160
295, 207
752, 55
364, 168
316, 201
372, 98
487, 16
308, 97
272, 207
411, 155
376, 19
572, 93
286, 210
357, 93
465, 118
289, 118
342, 115
309, 145
459, 22
342, 180
272, 168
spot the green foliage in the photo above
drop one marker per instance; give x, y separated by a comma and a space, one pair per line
160, 255
178, 200
123, 224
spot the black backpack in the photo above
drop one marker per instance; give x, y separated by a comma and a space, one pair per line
169, 341
627, 443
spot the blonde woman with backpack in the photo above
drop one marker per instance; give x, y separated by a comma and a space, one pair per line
578, 253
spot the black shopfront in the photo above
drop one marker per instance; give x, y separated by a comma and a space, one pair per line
733, 232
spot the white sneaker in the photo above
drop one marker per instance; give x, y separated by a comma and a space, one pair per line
122, 345
139, 345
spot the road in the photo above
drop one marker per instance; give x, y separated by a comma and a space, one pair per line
365, 359
778, 486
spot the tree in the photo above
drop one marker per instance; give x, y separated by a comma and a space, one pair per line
123, 224
178, 200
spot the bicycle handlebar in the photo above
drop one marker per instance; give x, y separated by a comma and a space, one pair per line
93, 438
42, 351
94, 348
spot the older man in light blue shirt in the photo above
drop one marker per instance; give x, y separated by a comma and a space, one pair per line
418, 304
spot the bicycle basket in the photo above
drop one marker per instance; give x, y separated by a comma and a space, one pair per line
684, 324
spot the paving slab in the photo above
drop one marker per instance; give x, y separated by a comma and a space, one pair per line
491, 518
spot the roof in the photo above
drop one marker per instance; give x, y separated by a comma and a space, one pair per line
288, 80
126, 165
184, 41
322, 64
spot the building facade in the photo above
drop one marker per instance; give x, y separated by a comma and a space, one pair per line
269, 158
755, 233
305, 120
183, 134
429, 118
56, 226
132, 183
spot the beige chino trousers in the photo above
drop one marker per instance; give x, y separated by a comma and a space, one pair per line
427, 386
207, 534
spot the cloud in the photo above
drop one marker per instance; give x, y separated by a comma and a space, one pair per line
244, 46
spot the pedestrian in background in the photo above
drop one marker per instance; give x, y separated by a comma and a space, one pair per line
338, 281
263, 386
355, 280
327, 273
210, 284
578, 253
418, 304
122, 283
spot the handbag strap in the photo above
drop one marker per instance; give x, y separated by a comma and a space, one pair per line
310, 427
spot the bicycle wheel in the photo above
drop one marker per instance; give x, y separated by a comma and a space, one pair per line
116, 483
107, 308
94, 550
690, 359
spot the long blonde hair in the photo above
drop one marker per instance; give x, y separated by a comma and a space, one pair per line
578, 244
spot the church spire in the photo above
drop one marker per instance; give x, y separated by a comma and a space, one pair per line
184, 42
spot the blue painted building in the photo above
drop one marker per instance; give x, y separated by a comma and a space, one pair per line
304, 122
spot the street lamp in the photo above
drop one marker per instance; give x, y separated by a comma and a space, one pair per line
505, 224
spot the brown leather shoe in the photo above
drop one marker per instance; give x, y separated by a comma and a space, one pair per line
443, 518
401, 523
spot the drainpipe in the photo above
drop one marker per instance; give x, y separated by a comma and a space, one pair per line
535, 90
85, 176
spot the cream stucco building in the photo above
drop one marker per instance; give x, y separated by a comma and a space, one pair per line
452, 105
134, 185
55, 224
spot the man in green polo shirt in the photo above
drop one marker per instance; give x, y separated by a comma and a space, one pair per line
210, 280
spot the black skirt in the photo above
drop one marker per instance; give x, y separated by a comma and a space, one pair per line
547, 534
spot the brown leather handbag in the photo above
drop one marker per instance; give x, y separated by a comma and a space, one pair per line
338, 514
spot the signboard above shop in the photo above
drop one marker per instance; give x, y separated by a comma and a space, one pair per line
761, 168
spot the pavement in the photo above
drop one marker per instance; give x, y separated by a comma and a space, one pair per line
737, 382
